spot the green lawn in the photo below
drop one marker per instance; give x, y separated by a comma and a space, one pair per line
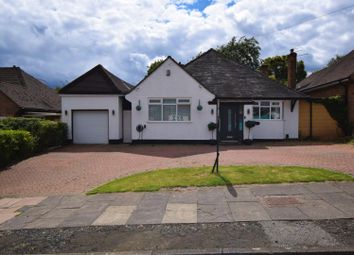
201, 176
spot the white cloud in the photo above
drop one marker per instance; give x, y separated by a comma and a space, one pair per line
59, 40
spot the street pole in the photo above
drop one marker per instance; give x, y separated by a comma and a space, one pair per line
216, 163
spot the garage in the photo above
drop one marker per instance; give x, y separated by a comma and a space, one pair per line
90, 127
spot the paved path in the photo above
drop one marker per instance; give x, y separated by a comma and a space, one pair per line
313, 201
76, 169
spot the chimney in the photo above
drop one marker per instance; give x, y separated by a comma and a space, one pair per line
264, 70
292, 69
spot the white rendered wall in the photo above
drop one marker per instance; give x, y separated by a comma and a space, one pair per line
275, 129
178, 85
94, 102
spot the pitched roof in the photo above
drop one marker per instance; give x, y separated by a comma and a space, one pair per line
334, 73
98, 80
229, 80
28, 92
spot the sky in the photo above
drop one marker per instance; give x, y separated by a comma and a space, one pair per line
58, 40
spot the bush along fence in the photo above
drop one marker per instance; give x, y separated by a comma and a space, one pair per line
22, 137
338, 109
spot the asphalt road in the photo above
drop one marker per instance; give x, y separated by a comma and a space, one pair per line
257, 237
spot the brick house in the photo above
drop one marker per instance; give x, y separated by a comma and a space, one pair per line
23, 95
335, 80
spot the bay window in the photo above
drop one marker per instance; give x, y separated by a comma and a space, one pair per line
169, 109
267, 110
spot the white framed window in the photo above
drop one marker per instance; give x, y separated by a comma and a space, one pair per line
267, 110
169, 109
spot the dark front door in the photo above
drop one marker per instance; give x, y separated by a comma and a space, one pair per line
231, 118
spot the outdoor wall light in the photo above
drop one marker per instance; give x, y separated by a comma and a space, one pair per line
212, 111
113, 112
66, 112
138, 107
199, 107
248, 111
168, 72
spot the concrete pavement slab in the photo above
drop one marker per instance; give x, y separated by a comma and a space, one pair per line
319, 209
115, 215
150, 209
128, 198
18, 222
84, 216
73, 201
8, 202
279, 189
347, 187
285, 213
180, 213
6, 216
214, 213
233, 193
184, 197
322, 187
211, 196
248, 211
337, 198
59, 213
44, 223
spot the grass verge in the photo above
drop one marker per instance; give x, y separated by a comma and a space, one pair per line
201, 176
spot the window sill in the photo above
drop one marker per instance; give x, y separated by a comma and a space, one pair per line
267, 120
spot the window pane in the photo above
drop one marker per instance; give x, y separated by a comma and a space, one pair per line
264, 113
255, 112
275, 103
265, 103
169, 112
155, 112
184, 112
275, 115
154, 101
169, 100
183, 100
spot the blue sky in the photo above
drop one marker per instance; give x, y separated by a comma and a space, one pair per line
57, 41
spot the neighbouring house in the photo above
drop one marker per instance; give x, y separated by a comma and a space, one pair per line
23, 95
176, 103
93, 106
335, 80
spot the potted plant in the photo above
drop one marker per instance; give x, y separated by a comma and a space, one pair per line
250, 124
212, 126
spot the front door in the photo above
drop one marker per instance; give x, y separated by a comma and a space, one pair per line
231, 118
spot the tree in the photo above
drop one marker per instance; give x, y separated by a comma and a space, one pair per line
57, 88
245, 51
154, 65
334, 60
278, 68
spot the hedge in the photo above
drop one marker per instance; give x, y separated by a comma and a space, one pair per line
15, 145
46, 133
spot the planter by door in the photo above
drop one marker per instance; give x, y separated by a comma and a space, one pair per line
90, 127
231, 118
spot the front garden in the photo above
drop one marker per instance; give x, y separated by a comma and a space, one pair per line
23, 137
229, 175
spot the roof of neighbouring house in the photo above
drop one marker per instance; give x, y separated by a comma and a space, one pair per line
98, 80
228, 79
337, 72
28, 92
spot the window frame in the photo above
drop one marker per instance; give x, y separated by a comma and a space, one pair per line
179, 101
272, 104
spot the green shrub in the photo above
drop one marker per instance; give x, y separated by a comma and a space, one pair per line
46, 133
15, 145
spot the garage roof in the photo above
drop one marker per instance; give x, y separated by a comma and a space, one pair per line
97, 81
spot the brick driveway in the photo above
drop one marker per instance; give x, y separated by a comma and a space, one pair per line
77, 168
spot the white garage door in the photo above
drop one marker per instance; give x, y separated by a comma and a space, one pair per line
90, 127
